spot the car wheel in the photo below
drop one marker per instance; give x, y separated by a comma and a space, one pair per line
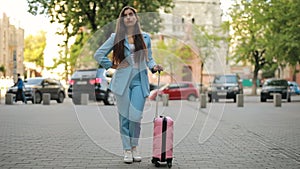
192, 97
262, 99
209, 98
61, 98
110, 99
37, 97
234, 98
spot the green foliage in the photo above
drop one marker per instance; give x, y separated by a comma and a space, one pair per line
34, 48
283, 33
248, 30
270, 27
92, 16
266, 33
172, 54
205, 43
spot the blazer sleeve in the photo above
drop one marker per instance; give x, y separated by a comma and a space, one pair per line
102, 52
150, 63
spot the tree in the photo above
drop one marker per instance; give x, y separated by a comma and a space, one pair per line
283, 33
248, 37
204, 43
34, 48
266, 32
171, 52
91, 13
94, 14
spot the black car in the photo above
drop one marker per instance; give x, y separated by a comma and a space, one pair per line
36, 87
225, 86
94, 82
273, 86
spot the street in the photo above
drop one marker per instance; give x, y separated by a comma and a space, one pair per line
222, 135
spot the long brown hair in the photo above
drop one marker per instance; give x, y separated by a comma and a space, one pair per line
121, 30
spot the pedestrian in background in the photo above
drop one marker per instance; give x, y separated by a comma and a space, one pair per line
20, 91
132, 55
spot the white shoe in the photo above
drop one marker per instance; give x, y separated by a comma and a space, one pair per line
136, 156
128, 156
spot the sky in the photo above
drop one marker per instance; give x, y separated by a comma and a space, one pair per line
16, 10
225, 5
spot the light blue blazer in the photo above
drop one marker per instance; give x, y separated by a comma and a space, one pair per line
122, 76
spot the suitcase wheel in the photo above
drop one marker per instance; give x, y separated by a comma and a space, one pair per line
157, 164
169, 163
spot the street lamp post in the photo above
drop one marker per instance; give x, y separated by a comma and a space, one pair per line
201, 77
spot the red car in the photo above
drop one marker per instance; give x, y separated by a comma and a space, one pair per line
177, 91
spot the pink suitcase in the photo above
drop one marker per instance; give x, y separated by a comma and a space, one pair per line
163, 141
162, 138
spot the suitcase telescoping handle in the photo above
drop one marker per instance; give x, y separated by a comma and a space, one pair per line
157, 96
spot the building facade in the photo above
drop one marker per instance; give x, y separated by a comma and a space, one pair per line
180, 24
11, 48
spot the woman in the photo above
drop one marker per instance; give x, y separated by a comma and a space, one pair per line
131, 56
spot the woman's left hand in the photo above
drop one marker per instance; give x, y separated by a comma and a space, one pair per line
158, 68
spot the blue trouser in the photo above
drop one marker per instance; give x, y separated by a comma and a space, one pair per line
20, 93
130, 107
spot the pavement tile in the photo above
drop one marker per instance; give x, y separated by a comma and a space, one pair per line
37, 136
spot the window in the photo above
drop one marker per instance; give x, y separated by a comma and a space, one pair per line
183, 85
225, 79
173, 86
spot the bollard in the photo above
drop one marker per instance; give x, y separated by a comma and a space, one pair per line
84, 99
9, 98
203, 101
240, 100
46, 98
165, 99
277, 100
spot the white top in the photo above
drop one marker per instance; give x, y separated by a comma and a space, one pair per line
132, 48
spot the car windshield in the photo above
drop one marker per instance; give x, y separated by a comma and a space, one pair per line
276, 83
33, 81
84, 74
225, 79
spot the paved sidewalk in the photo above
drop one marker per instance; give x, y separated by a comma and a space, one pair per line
219, 136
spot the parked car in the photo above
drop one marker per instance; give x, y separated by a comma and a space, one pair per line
225, 86
36, 87
93, 82
274, 85
177, 91
294, 87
